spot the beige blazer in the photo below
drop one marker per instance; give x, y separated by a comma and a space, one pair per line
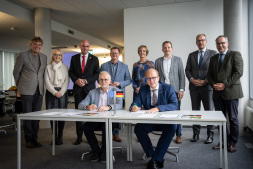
26, 76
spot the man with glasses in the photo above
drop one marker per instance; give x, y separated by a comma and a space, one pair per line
98, 100
224, 73
120, 78
200, 90
171, 71
83, 71
155, 97
29, 77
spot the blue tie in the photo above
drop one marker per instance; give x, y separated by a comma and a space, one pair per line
200, 58
220, 61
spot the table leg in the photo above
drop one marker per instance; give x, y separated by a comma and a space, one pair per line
19, 144
225, 144
130, 141
221, 159
53, 147
109, 159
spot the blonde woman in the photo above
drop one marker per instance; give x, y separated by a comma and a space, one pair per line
57, 81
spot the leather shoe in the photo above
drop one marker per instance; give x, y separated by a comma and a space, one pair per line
179, 140
218, 146
195, 138
160, 164
77, 142
36, 144
95, 156
102, 157
117, 138
29, 144
152, 164
231, 148
209, 140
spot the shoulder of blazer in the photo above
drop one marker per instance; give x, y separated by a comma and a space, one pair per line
159, 59
194, 53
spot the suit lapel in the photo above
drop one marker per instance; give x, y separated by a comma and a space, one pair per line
161, 65
195, 56
160, 92
97, 96
87, 63
31, 59
148, 95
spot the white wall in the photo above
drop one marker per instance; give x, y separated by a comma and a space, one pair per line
178, 23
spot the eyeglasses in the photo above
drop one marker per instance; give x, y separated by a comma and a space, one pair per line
105, 80
57, 54
222, 43
151, 78
201, 40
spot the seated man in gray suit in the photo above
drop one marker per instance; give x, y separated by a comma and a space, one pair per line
98, 100
171, 71
120, 78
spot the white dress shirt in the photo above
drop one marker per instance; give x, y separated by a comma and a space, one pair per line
103, 98
166, 69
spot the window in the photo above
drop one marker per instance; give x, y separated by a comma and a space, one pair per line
7, 61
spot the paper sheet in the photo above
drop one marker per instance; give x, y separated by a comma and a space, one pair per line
169, 116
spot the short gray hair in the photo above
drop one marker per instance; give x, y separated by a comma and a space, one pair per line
102, 72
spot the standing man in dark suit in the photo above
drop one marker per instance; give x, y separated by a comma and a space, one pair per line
83, 71
29, 77
171, 71
196, 72
120, 78
224, 73
155, 97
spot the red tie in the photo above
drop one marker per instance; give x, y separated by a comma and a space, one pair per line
83, 64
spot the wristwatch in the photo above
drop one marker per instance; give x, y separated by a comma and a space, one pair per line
110, 107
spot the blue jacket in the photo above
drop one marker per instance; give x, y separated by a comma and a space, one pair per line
167, 99
122, 75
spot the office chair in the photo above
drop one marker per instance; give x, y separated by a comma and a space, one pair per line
99, 133
168, 150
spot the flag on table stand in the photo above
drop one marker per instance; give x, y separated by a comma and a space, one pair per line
115, 94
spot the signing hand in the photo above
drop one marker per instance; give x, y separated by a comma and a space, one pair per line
135, 108
91, 107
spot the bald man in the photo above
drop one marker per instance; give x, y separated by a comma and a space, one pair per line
83, 71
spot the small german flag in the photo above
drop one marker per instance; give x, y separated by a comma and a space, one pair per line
119, 94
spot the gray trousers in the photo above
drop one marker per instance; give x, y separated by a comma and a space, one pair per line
206, 97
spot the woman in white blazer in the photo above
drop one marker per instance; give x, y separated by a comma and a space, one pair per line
57, 81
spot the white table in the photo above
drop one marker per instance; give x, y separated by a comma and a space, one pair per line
62, 116
208, 118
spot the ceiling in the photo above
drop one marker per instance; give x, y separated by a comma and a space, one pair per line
102, 19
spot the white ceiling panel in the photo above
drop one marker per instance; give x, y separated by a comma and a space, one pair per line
135, 3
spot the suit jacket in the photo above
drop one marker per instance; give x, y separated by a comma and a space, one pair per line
177, 77
91, 72
230, 73
167, 99
192, 69
26, 76
122, 75
94, 96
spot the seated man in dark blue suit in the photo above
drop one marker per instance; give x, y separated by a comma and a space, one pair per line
155, 97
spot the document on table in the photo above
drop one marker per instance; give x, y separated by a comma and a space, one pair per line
148, 115
169, 116
52, 113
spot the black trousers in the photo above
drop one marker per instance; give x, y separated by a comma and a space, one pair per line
230, 108
198, 96
58, 103
79, 125
89, 128
31, 103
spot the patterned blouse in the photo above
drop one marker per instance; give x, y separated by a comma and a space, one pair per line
138, 73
